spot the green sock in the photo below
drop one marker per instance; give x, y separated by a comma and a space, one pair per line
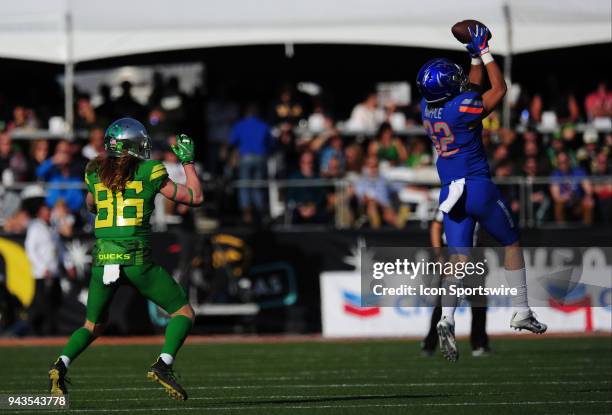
176, 332
78, 342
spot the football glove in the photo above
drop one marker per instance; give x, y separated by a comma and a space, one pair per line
473, 53
184, 149
480, 41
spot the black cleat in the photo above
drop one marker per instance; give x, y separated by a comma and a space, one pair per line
58, 379
164, 375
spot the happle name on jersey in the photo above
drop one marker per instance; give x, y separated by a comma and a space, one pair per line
433, 112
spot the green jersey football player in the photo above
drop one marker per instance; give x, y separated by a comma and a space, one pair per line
122, 184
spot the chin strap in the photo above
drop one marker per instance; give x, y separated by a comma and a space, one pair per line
175, 190
190, 196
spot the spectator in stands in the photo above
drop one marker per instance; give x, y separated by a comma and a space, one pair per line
364, 116
354, 160
287, 109
286, 151
221, 114
96, 144
62, 220
42, 248
86, 117
509, 192
567, 108
338, 200
39, 151
23, 118
599, 102
105, 109
373, 193
329, 145
586, 156
535, 109
393, 116
13, 165
575, 196
500, 156
252, 136
58, 170
308, 203
126, 105
557, 146
531, 149
603, 190
539, 192
388, 148
419, 153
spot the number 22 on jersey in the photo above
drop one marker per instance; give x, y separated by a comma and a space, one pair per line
106, 205
441, 136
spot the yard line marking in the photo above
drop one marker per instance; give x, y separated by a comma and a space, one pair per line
267, 397
336, 407
119, 373
342, 385
200, 378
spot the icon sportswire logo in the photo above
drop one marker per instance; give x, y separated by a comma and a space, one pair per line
352, 305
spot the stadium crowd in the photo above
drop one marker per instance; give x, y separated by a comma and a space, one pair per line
297, 139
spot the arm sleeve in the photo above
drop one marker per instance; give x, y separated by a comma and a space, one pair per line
89, 184
469, 107
158, 175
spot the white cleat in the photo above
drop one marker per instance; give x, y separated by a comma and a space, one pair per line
448, 345
528, 321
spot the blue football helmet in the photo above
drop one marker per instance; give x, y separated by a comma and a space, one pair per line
440, 79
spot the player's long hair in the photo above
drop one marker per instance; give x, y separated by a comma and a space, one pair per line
114, 172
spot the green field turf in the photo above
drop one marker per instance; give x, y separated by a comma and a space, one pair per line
367, 377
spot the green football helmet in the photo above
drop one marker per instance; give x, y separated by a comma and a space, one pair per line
127, 135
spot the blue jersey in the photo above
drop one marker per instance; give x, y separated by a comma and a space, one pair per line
455, 128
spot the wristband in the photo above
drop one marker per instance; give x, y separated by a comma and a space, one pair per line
476, 61
190, 196
184, 163
486, 57
175, 190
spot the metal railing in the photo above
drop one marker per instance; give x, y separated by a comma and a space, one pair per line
279, 206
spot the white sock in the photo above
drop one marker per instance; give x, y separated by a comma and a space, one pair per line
66, 360
517, 278
448, 313
449, 301
168, 359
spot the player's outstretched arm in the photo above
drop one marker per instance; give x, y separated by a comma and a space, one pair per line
476, 75
191, 192
480, 46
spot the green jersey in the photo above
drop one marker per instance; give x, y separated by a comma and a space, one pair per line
123, 218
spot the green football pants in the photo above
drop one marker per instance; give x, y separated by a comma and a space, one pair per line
152, 281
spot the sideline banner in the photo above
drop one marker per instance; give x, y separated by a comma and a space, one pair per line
571, 291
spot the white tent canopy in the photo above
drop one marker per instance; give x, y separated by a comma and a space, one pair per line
37, 30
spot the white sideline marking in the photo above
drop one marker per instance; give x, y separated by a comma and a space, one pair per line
263, 398
139, 376
336, 407
342, 385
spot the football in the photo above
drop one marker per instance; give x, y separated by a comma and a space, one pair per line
461, 33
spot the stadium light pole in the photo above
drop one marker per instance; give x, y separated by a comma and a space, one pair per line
507, 66
69, 77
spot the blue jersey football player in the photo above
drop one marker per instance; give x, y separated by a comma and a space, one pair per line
452, 110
